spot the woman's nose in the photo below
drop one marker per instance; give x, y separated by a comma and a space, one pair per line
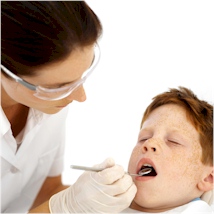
78, 95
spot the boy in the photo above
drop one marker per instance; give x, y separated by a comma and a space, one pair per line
176, 143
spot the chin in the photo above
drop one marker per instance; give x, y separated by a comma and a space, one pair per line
149, 207
146, 201
50, 111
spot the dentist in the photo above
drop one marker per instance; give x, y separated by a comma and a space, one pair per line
49, 49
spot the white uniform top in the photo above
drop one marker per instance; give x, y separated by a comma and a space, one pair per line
40, 155
194, 207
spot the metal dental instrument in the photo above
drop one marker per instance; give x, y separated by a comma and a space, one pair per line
93, 169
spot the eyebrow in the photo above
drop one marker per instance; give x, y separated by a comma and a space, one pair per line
59, 84
70, 82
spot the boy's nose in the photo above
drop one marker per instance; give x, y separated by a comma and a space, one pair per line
148, 148
150, 145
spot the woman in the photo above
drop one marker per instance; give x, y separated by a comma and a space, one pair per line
48, 51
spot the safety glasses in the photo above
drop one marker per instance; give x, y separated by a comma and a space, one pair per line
56, 93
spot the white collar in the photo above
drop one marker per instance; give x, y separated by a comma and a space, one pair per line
35, 115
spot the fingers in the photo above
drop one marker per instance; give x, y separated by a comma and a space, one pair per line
109, 175
119, 202
113, 181
109, 162
107, 191
119, 187
124, 199
129, 195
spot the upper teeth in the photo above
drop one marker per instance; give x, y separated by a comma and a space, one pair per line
147, 165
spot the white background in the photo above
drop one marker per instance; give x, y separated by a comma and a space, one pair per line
147, 47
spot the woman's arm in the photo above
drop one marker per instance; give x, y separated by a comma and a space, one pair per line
51, 186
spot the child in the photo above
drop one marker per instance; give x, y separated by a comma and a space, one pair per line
176, 143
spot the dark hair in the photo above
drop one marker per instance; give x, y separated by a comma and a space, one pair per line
34, 33
199, 113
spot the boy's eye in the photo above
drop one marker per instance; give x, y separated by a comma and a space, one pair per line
174, 142
143, 139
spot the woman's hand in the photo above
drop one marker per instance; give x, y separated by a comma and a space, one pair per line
107, 191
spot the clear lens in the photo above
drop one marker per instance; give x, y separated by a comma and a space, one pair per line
56, 94
60, 93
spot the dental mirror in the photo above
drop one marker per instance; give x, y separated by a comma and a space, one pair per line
142, 172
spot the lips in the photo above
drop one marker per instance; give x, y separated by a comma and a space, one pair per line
144, 164
60, 106
63, 106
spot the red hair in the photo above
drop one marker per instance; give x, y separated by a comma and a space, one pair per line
199, 113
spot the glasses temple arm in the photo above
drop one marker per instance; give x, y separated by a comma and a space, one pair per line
18, 79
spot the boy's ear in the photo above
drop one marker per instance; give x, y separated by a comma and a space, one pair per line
206, 183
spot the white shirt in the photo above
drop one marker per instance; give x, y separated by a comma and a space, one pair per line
194, 207
40, 155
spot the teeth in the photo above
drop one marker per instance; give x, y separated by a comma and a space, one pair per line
147, 165
147, 170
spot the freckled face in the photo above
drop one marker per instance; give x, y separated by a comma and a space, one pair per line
177, 158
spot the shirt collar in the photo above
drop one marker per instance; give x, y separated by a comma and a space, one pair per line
5, 124
35, 115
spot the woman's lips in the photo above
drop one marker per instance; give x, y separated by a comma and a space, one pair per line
60, 106
63, 106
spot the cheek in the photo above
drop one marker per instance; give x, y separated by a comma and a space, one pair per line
16, 91
24, 96
9, 86
134, 157
194, 166
185, 165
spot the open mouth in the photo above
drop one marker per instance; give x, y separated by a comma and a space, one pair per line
147, 170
